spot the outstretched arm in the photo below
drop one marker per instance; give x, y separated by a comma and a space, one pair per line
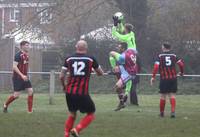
119, 36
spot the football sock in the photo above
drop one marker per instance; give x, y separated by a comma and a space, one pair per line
120, 94
85, 122
162, 105
69, 125
30, 103
173, 104
125, 98
112, 62
9, 100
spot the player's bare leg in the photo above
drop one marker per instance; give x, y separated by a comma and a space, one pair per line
120, 93
119, 87
10, 99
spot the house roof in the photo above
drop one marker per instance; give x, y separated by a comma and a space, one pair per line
33, 36
100, 33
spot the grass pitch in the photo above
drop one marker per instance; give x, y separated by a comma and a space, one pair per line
133, 121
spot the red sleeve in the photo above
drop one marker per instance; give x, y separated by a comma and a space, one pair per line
155, 70
181, 65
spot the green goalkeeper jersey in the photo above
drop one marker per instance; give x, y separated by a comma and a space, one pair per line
128, 38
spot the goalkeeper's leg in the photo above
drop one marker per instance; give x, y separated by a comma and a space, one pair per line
114, 56
128, 87
112, 62
127, 90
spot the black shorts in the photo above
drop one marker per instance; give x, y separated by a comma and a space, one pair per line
20, 84
168, 86
83, 103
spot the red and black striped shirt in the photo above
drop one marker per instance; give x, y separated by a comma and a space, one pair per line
22, 58
166, 63
79, 67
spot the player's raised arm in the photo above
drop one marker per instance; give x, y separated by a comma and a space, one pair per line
118, 21
120, 37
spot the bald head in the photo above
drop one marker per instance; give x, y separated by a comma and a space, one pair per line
81, 46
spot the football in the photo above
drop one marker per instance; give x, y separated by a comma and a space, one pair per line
119, 15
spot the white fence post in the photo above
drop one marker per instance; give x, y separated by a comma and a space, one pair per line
51, 87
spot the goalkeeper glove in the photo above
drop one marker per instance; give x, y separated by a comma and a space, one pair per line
115, 20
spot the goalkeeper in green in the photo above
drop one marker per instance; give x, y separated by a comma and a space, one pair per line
125, 34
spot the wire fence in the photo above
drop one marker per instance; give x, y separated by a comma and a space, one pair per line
48, 83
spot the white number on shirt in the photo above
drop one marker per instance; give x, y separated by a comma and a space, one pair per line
168, 61
78, 68
133, 58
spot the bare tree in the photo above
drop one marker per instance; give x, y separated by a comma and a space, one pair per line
71, 18
178, 22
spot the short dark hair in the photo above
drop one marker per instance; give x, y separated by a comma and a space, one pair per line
167, 46
124, 45
22, 43
129, 27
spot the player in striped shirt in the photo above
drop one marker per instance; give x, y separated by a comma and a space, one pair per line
20, 77
79, 66
166, 64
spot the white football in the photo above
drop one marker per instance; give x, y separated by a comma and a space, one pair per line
119, 15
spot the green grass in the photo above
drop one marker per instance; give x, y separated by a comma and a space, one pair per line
143, 121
